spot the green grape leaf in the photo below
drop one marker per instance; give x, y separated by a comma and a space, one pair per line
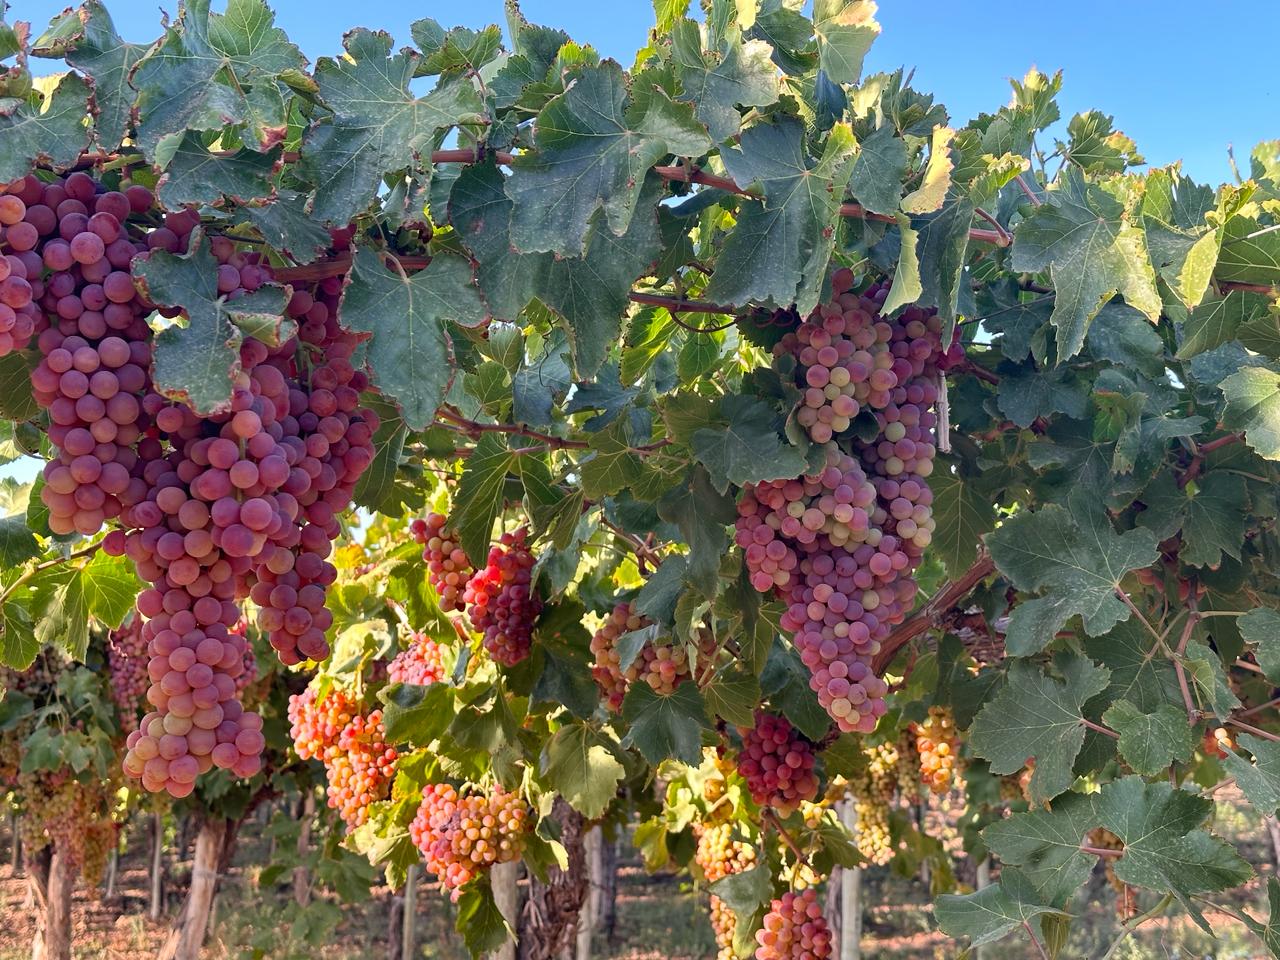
876, 178
376, 488
1250, 252
1261, 627
702, 515
1097, 147
613, 465
933, 188
785, 681
991, 913
942, 247
16, 400
377, 125
579, 766
845, 30
284, 225
195, 175
658, 597
963, 515
733, 694
717, 83
1036, 716
478, 499
780, 248
1165, 849
743, 445
479, 920
1076, 559
18, 643
1217, 320
1080, 236
409, 353
30, 134
1026, 394
1208, 680
65, 600
1260, 780
745, 892
593, 152
454, 50
416, 715
1253, 406
566, 670
665, 726
1269, 932
17, 542
1173, 219
1213, 514
214, 69
1151, 741
1045, 846
86, 39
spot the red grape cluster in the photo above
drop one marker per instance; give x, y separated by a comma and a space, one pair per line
460, 835
448, 568
777, 763
501, 601
664, 664
422, 663
127, 668
794, 929
359, 764
839, 546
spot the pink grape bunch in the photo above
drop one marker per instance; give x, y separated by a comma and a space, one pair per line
840, 546
421, 663
794, 929
661, 663
448, 568
502, 602
777, 763
127, 669
461, 834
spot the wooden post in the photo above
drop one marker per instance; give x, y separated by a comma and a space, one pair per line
983, 881
395, 926
588, 917
301, 875
850, 895
15, 851
608, 921
409, 934
550, 911
157, 866
187, 935
50, 881
113, 866
506, 894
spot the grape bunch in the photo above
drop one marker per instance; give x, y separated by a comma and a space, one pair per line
127, 669
461, 835
502, 602
777, 763
359, 763
936, 741
908, 768
794, 929
448, 568
663, 665
421, 663
719, 855
839, 546
873, 790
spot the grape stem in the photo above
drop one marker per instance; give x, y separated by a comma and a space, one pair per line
45, 565
928, 615
771, 818
1099, 728
1256, 731
1161, 906
1026, 925
1100, 851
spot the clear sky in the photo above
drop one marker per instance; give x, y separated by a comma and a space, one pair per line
1173, 74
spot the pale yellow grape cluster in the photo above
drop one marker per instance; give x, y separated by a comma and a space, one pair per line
719, 855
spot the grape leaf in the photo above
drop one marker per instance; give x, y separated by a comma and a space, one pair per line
702, 515
992, 912
779, 250
717, 83
30, 134
593, 153
845, 30
579, 766
785, 681
18, 643
67, 599
454, 50
1208, 679
733, 694
963, 515
285, 226
195, 175
1150, 741
1164, 847
665, 726
86, 39
1096, 146
377, 126
214, 69
937, 175
1261, 627
1045, 846
1253, 406
478, 498
479, 920
1259, 780
17, 542
1269, 932
1217, 320
414, 714
1213, 515
1026, 394
409, 353
1075, 557
1080, 236
876, 178
1173, 219
743, 444
1036, 716
1250, 252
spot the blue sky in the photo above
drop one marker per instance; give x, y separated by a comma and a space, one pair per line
1163, 70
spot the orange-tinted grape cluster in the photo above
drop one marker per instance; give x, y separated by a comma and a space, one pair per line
794, 929
448, 568
359, 764
460, 835
501, 601
421, 663
663, 665
937, 744
777, 763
